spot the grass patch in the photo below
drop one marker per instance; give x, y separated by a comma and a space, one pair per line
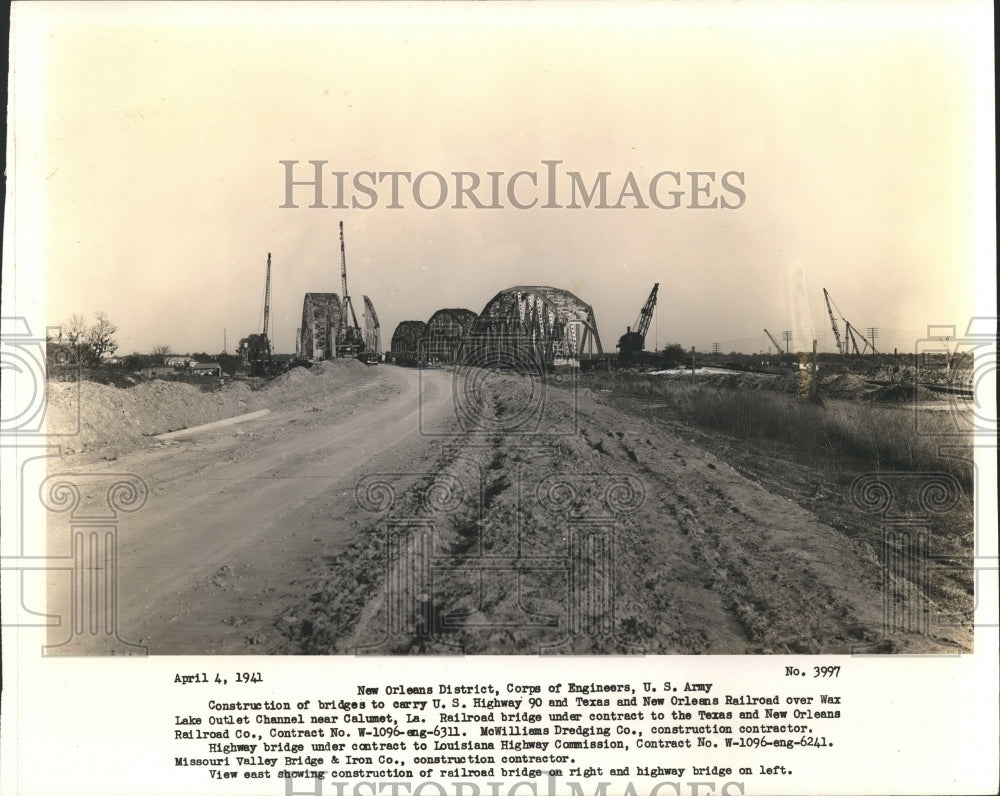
873, 436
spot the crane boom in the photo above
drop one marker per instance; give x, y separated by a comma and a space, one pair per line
833, 321
866, 343
850, 341
776, 346
267, 295
343, 283
646, 314
632, 343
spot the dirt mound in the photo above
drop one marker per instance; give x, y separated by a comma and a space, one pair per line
104, 421
905, 394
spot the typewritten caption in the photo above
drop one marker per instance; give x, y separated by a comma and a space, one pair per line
675, 729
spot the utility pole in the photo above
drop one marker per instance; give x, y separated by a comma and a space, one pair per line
223, 339
788, 342
872, 334
692, 364
715, 351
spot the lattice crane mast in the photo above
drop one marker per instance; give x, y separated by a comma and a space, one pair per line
255, 349
349, 339
267, 295
777, 347
851, 333
833, 321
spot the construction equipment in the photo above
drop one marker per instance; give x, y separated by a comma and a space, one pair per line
833, 321
349, 339
373, 346
777, 347
851, 334
255, 349
631, 344
855, 335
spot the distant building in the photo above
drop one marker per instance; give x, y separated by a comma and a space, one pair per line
205, 369
157, 371
178, 362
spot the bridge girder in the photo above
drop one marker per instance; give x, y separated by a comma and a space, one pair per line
405, 345
321, 315
446, 333
545, 325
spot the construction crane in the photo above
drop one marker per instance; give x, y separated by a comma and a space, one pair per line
255, 349
349, 340
373, 345
851, 334
855, 335
267, 295
631, 344
777, 347
833, 321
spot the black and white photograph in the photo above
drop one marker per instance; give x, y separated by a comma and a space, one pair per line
504, 342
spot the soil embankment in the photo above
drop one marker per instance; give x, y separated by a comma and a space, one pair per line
392, 511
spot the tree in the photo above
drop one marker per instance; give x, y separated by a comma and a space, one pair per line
134, 361
100, 336
674, 354
91, 343
76, 330
160, 353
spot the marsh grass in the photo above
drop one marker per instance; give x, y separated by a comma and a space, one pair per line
873, 436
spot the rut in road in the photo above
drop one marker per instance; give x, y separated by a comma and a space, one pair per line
612, 535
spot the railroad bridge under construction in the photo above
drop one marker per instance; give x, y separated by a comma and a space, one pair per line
536, 326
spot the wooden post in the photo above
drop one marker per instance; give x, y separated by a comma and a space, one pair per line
812, 375
692, 364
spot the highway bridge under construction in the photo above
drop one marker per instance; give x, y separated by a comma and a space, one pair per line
330, 328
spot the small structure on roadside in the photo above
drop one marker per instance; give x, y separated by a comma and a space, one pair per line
158, 371
205, 369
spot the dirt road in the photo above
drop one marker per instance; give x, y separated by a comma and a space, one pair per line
533, 519
235, 514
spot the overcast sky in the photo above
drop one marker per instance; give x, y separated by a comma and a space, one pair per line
159, 178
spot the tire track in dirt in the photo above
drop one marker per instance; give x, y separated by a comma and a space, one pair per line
707, 562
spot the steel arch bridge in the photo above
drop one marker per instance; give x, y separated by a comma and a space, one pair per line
445, 335
546, 326
405, 345
321, 316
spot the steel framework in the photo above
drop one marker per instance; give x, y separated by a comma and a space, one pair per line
373, 340
445, 335
321, 318
544, 326
405, 345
